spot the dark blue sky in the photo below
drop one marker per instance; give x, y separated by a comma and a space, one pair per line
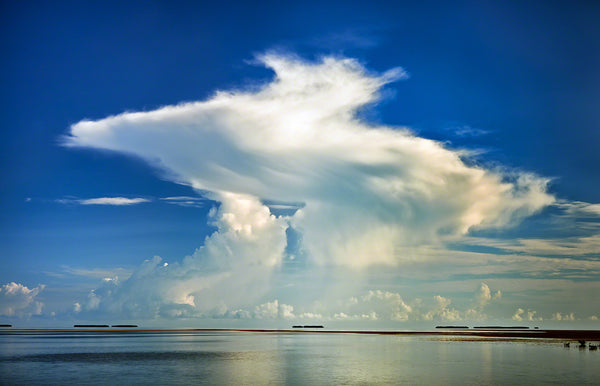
519, 81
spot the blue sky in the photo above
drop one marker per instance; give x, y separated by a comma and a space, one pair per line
355, 163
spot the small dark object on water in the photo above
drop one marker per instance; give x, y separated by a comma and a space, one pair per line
459, 327
124, 325
309, 326
90, 325
567, 344
5, 325
582, 344
592, 347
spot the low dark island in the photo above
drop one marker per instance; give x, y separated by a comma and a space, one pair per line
90, 325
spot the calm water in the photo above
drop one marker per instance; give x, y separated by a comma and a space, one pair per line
295, 359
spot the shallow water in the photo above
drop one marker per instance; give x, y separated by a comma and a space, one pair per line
145, 358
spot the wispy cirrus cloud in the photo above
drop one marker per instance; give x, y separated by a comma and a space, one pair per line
468, 131
116, 201
187, 201
113, 201
352, 37
97, 273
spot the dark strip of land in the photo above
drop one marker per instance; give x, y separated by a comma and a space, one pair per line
90, 325
535, 334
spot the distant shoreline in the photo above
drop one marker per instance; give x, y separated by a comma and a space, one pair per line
534, 334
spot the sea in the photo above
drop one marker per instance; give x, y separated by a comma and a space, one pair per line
287, 358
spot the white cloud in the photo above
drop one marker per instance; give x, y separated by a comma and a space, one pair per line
368, 190
113, 201
484, 295
295, 154
579, 208
518, 316
442, 311
529, 315
116, 201
187, 201
274, 310
95, 273
388, 305
230, 270
566, 317
310, 315
573, 229
468, 131
18, 300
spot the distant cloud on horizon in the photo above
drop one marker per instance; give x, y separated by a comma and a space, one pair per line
19, 300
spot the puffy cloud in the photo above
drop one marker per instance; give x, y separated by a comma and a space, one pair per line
230, 270
310, 315
390, 305
566, 317
368, 191
274, 310
484, 295
442, 311
518, 316
18, 300
521, 315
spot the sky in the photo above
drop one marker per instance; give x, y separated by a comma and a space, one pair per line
351, 164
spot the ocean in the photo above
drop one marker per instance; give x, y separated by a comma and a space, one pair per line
287, 358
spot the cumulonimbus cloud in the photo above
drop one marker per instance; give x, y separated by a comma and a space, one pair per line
367, 190
361, 193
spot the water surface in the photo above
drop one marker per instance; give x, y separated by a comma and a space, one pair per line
157, 358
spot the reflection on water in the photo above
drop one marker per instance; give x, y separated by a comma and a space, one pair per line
285, 358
